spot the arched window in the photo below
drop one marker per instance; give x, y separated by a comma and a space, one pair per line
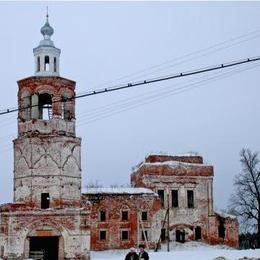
45, 106
55, 64
46, 63
38, 64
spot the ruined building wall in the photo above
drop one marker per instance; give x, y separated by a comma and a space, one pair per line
47, 165
184, 184
21, 223
46, 152
120, 227
223, 229
48, 215
47, 174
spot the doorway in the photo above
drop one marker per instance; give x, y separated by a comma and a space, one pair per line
44, 248
180, 236
197, 233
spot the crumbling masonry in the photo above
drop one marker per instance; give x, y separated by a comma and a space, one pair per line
51, 218
48, 219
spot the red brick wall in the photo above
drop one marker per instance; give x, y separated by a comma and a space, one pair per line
114, 204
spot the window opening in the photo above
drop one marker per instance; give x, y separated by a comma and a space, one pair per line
144, 235
38, 64
144, 216
102, 235
163, 234
221, 229
45, 106
161, 195
124, 215
197, 233
55, 64
175, 199
124, 235
45, 200
102, 215
46, 63
190, 196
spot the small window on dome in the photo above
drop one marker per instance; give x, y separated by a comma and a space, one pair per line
46, 63
38, 64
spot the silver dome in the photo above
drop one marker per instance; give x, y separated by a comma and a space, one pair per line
47, 30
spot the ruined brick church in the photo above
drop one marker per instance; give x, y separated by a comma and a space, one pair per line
51, 218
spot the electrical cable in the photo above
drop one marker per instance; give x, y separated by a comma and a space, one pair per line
165, 94
129, 76
149, 81
168, 93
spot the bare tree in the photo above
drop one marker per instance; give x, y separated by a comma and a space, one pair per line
246, 199
95, 184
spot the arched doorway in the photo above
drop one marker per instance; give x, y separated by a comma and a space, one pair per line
180, 236
45, 248
45, 243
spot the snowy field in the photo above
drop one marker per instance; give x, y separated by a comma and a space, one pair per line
187, 251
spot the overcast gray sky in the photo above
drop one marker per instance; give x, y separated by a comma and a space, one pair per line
102, 42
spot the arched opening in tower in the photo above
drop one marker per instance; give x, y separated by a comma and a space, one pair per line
45, 106
55, 64
38, 64
47, 63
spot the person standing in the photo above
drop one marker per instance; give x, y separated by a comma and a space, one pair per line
143, 255
132, 255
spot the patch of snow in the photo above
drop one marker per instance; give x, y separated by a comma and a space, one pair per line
173, 164
186, 251
188, 154
118, 191
225, 215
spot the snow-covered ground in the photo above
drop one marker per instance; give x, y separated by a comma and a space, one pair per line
187, 251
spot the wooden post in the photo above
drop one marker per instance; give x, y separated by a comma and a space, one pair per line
138, 228
168, 222
143, 231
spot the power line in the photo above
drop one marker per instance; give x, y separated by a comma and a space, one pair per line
157, 96
184, 58
148, 81
150, 99
189, 56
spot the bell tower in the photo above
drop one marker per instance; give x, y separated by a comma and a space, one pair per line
47, 166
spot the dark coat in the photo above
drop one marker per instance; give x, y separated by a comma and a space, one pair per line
143, 256
133, 254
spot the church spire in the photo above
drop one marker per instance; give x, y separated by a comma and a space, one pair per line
47, 31
46, 54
